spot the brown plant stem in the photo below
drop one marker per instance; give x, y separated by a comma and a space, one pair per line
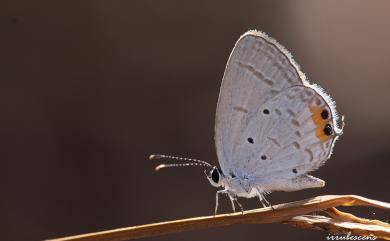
291, 213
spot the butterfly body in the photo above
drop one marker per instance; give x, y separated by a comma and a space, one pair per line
272, 126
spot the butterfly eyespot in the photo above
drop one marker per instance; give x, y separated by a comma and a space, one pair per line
320, 117
295, 171
266, 111
328, 130
263, 157
250, 140
325, 114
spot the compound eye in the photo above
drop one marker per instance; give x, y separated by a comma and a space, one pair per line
215, 175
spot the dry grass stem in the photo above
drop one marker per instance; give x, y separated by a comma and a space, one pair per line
294, 213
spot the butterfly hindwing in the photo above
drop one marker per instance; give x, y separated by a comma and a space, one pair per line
290, 135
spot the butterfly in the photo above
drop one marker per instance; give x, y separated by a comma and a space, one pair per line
272, 127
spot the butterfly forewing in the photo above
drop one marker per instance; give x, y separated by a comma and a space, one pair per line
258, 69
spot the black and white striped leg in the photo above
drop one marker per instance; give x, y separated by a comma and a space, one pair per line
239, 204
232, 201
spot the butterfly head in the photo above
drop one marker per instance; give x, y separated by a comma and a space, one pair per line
215, 177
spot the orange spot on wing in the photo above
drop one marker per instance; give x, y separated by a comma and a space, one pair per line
319, 122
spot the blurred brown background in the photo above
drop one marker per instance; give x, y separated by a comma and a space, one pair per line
90, 88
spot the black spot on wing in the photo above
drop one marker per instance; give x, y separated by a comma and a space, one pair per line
328, 130
325, 114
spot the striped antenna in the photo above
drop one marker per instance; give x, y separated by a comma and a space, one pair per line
192, 162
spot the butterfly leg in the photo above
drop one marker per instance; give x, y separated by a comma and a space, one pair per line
231, 198
232, 201
239, 204
264, 201
217, 199
269, 204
